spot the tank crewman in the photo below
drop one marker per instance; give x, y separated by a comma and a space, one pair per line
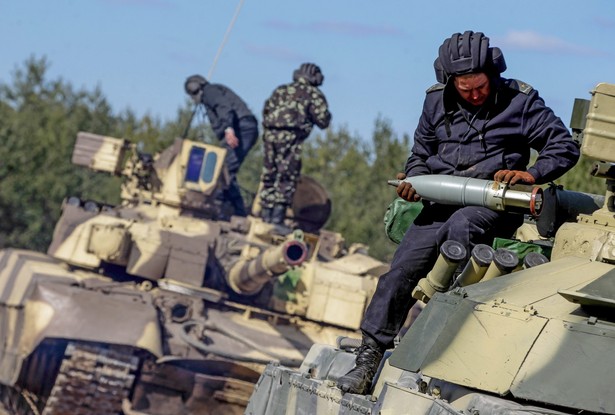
289, 115
233, 123
474, 124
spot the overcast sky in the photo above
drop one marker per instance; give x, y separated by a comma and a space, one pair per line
377, 56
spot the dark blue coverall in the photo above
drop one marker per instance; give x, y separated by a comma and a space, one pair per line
226, 109
457, 139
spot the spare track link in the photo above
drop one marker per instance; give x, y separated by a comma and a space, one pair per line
92, 380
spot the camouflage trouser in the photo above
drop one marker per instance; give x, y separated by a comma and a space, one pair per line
281, 166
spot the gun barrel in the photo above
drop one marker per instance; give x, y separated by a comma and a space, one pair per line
466, 191
249, 276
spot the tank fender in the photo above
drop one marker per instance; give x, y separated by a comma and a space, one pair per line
60, 311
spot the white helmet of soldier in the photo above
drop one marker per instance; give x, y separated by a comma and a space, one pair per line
467, 53
310, 72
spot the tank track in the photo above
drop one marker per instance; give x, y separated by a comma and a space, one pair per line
92, 380
15, 402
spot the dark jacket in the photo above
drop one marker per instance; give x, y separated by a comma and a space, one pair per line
296, 106
224, 108
460, 141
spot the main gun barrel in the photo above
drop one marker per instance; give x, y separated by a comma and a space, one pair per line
249, 276
466, 191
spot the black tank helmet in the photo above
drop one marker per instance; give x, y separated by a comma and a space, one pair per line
310, 72
194, 87
468, 53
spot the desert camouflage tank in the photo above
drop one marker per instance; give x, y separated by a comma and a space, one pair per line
155, 306
508, 337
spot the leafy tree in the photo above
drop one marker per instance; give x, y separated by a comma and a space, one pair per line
40, 120
390, 153
339, 162
250, 173
579, 178
355, 174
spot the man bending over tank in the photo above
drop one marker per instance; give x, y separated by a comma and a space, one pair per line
233, 123
474, 124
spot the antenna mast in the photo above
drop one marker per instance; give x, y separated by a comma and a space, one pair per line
226, 35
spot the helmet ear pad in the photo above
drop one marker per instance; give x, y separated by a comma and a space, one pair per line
441, 75
497, 59
467, 53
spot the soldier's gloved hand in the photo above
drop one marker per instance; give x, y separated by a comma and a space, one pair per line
514, 176
406, 191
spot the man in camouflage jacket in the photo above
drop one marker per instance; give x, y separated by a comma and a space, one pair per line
288, 118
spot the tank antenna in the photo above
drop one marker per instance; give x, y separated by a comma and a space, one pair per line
228, 31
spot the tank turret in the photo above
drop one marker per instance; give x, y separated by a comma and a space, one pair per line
525, 326
158, 306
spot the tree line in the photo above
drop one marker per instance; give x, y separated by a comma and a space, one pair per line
40, 118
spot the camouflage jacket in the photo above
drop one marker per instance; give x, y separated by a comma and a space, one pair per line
296, 106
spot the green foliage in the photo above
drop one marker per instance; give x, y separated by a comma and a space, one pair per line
356, 174
580, 180
250, 173
40, 120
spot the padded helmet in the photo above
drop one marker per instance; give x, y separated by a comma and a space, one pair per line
467, 53
310, 72
194, 87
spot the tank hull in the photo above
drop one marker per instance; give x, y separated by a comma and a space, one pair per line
515, 344
80, 342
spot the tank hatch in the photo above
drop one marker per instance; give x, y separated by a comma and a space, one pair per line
598, 295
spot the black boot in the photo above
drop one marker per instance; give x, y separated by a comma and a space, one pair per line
266, 214
278, 214
359, 380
